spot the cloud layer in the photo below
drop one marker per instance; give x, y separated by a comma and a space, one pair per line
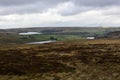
41, 13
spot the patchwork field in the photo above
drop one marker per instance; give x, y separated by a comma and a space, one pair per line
11, 36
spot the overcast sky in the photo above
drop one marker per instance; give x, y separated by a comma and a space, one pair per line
44, 13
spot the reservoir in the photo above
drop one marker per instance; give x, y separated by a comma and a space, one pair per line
42, 42
30, 33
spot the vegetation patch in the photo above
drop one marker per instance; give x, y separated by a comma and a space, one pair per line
75, 60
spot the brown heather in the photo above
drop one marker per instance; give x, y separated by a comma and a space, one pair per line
72, 60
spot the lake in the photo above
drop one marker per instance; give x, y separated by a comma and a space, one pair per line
30, 33
42, 42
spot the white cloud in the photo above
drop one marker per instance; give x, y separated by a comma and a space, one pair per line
56, 16
68, 8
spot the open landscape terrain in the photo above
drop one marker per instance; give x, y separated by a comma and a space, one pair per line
62, 60
59, 39
74, 54
12, 36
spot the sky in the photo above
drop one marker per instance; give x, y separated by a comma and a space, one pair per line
57, 13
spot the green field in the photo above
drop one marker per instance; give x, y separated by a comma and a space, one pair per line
22, 39
11, 36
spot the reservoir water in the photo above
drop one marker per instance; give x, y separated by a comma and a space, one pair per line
30, 33
42, 42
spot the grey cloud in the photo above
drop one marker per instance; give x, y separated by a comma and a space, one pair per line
75, 10
83, 6
111, 11
24, 2
26, 6
22, 9
38, 6
52, 2
16, 2
97, 3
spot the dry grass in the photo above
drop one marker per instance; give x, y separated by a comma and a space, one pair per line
72, 60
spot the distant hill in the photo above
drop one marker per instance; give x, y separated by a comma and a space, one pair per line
11, 36
48, 30
115, 34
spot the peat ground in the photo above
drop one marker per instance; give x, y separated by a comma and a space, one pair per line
70, 60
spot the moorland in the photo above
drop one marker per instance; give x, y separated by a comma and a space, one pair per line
66, 59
